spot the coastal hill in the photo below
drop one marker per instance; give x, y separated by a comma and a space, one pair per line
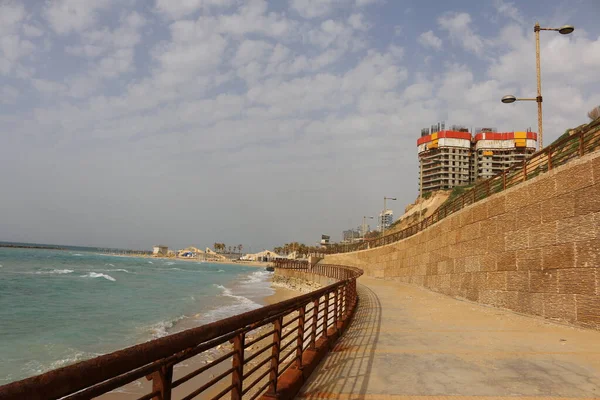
421, 208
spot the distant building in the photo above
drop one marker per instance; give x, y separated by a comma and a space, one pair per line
364, 229
449, 158
386, 219
160, 250
325, 240
351, 235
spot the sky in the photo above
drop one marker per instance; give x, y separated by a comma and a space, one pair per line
128, 123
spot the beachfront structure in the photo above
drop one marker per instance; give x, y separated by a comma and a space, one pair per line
160, 250
263, 256
386, 218
449, 158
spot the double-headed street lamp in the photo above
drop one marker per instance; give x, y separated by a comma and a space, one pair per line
563, 30
383, 213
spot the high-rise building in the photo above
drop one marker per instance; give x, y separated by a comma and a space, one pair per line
445, 159
494, 152
449, 158
364, 229
386, 218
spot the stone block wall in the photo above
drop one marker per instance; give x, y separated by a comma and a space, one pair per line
533, 249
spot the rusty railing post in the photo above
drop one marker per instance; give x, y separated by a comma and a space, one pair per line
504, 180
300, 341
581, 146
161, 382
325, 314
237, 376
549, 159
274, 372
524, 171
313, 332
335, 308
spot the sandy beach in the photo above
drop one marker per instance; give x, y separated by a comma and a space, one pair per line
259, 264
282, 291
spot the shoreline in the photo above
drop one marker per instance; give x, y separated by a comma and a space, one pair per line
282, 290
196, 260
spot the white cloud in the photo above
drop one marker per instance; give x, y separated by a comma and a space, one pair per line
250, 50
181, 8
323, 8
357, 21
32, 31
48, 87
8, 94
11, 15
417, 91
66, 16
96, 42
314, 8
508, 10
458, 26
571, 59
428, 39
251, 17
12, 49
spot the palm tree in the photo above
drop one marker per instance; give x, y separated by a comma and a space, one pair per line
240, 248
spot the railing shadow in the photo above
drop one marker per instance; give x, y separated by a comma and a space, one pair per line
346, 369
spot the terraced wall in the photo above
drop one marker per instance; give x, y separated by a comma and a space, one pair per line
533, 249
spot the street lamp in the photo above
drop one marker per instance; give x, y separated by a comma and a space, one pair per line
364, 225
383, 213
563, 30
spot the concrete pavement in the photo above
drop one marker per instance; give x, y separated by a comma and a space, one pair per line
409, 343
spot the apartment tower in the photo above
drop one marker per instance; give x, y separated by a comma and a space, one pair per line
454, 157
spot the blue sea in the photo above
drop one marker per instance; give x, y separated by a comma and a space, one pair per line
58, 307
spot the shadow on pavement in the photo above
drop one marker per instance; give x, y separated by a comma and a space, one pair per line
347, 367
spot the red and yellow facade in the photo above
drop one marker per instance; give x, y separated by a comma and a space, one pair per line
456, 158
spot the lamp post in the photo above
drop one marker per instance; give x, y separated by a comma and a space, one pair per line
364, 225
383, 213
563, 30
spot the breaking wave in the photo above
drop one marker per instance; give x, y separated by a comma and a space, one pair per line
54, 272
98, 275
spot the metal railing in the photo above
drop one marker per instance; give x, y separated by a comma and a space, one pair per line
561, 152
256, 348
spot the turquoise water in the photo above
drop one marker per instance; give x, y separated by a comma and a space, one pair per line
59, 307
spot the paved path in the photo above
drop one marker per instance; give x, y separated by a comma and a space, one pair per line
409, 343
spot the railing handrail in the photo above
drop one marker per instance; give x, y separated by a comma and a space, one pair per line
484, 188
85, 374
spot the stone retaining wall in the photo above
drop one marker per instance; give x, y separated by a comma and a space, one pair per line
533, 249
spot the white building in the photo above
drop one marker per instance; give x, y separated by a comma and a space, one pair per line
386, 219
160, 250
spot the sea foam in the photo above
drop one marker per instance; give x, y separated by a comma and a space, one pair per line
54, 272
161, 328
241, 305
98, 275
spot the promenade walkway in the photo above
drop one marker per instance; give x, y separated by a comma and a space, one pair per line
409, 343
